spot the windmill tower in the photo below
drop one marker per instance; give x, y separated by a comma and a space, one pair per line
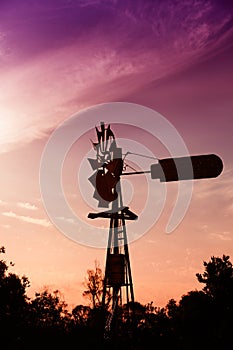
118, 283
108, 168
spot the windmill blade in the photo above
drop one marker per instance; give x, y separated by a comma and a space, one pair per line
187, 168
94, 163
92, 179
102, 203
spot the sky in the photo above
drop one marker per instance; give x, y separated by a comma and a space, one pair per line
58, 58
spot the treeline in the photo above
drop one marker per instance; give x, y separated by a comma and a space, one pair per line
200, 319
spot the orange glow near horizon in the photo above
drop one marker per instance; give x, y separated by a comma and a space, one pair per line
47, 75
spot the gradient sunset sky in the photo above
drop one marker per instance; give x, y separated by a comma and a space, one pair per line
58, 57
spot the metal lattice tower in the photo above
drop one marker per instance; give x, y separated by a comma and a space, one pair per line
118, 284
118, 278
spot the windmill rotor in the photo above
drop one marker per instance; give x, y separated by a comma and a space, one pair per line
107, 167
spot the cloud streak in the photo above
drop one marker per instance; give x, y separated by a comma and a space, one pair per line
28, 219
223, 236
26, 205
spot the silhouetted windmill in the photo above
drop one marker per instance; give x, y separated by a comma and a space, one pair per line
108, 166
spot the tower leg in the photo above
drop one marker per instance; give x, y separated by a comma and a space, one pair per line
118, 294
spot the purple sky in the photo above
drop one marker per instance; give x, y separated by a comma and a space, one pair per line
71, 53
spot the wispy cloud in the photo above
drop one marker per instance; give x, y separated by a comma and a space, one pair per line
221, 187
78, 72
67, 220
6, 226
223, 236
27, 205
230, 208
29, 219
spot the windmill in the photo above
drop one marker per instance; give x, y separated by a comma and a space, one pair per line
108, 167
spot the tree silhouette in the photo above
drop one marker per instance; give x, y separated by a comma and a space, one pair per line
204, 318
48, 320
218, 278
41, 321
94, 285
48, 310
196, 319
13, 303
81, 314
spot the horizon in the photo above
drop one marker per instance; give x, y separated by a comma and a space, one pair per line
59, 59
